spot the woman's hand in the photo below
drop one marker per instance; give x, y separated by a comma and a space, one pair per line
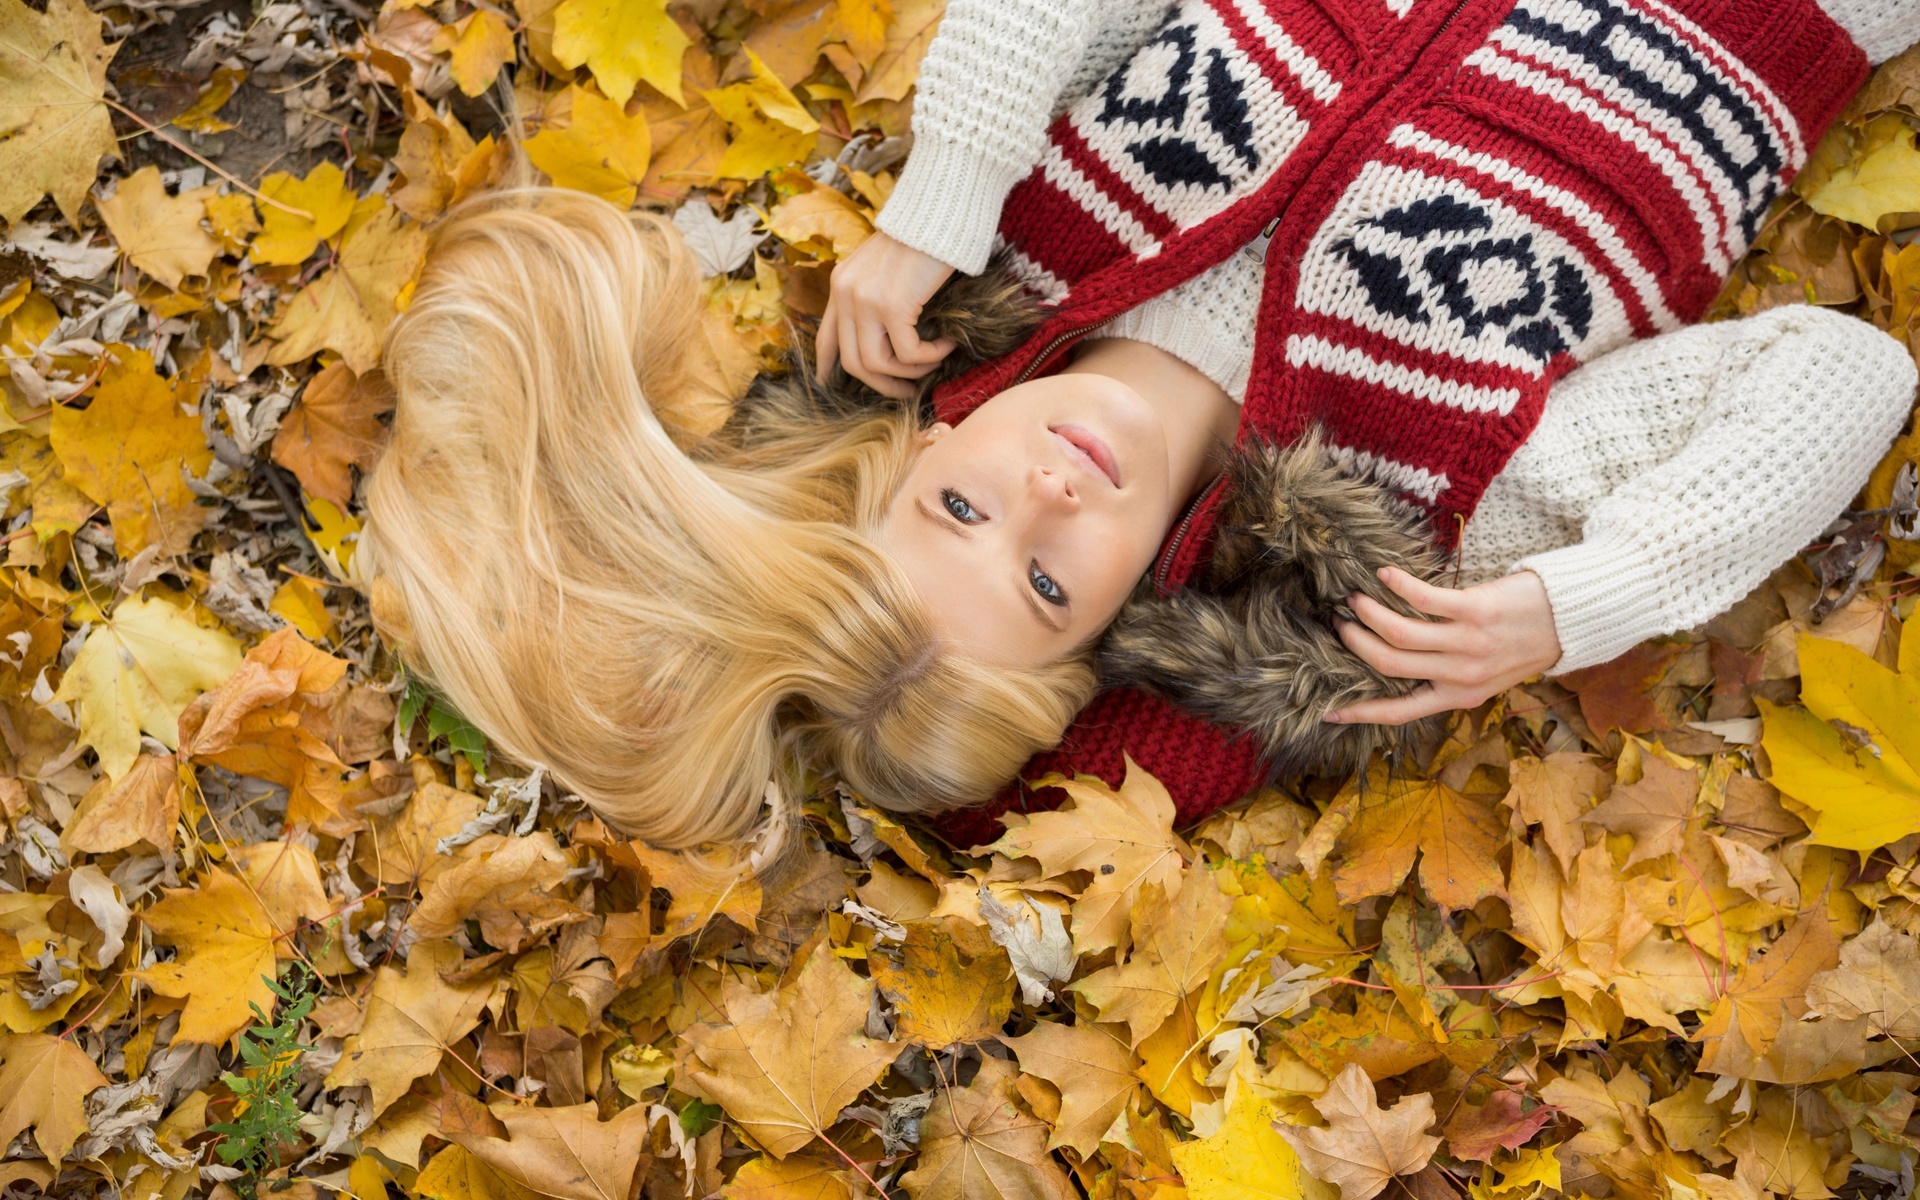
1488, 638
878, 292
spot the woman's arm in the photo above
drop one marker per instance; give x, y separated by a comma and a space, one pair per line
1769, 424
997, 73
980, 112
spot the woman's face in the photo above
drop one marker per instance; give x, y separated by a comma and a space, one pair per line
1026, 526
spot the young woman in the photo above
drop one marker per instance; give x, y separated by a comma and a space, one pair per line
1406, 223
677, 635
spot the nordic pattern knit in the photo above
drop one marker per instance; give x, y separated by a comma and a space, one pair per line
1478, 196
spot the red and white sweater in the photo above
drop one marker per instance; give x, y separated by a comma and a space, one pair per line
1457, 202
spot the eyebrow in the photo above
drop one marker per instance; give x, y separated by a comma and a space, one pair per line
958, 530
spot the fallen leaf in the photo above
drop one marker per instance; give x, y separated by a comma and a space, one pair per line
143, 805
622, 42
821, 222
130, 451
477, 46
893, 71
335, 427
159, 233
286, 878
1553, 793
413, 1017
53, 106
225, 949
504, 883
1477, 1132
348, 307
796, 1177
1176, 944
1124, 838
1863, 785
601, 151
1364, 1146
771, 127
286, 238
977, 1143
1883, 176
567, 1152
943, 993
137, 672
1878, 978
1094, 1071
1454, 835
1654, 811
44, 1084
1765, 994
1246, 1159
786, 1062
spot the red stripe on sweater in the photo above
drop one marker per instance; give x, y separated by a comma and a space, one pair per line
1053, 230
1108, 182
1277, 73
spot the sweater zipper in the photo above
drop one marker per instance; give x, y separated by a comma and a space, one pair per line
1165, 565
1047, 352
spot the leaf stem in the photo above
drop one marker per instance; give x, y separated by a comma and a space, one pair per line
208, 163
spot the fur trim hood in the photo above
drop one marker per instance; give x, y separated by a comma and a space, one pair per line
1249, 646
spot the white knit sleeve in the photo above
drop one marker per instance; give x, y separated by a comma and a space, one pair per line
1882, 28
1773, 422
986, 92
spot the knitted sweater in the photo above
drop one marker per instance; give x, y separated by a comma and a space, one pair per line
1638, 498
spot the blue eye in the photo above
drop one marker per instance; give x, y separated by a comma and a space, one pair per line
1044, 584
959, 509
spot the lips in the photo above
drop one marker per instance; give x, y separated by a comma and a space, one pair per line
1084, 444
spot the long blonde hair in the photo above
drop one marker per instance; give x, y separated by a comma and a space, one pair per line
667, 632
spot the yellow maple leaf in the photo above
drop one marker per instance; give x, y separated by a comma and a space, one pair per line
202, 115
621, 42
1881, 176
53, 83
1124, 838
288, 238
413, 1016
977, 1141
44, 1083
127, 450
1177, 942
347, 309
226, 946
233, 219
892, 73
159, 233
1246, 1160
785, 1063
771, 127
1862, 784
601, 151
477, 46
137, 671
820, 221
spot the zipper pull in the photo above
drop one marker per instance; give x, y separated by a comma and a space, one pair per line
1257, 248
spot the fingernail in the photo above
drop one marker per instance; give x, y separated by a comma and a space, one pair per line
1335, 718
1384, 572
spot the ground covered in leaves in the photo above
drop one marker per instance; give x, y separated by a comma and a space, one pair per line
271, 921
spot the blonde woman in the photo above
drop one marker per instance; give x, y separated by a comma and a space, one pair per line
915, 604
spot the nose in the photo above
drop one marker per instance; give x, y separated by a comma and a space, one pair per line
1054, 488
